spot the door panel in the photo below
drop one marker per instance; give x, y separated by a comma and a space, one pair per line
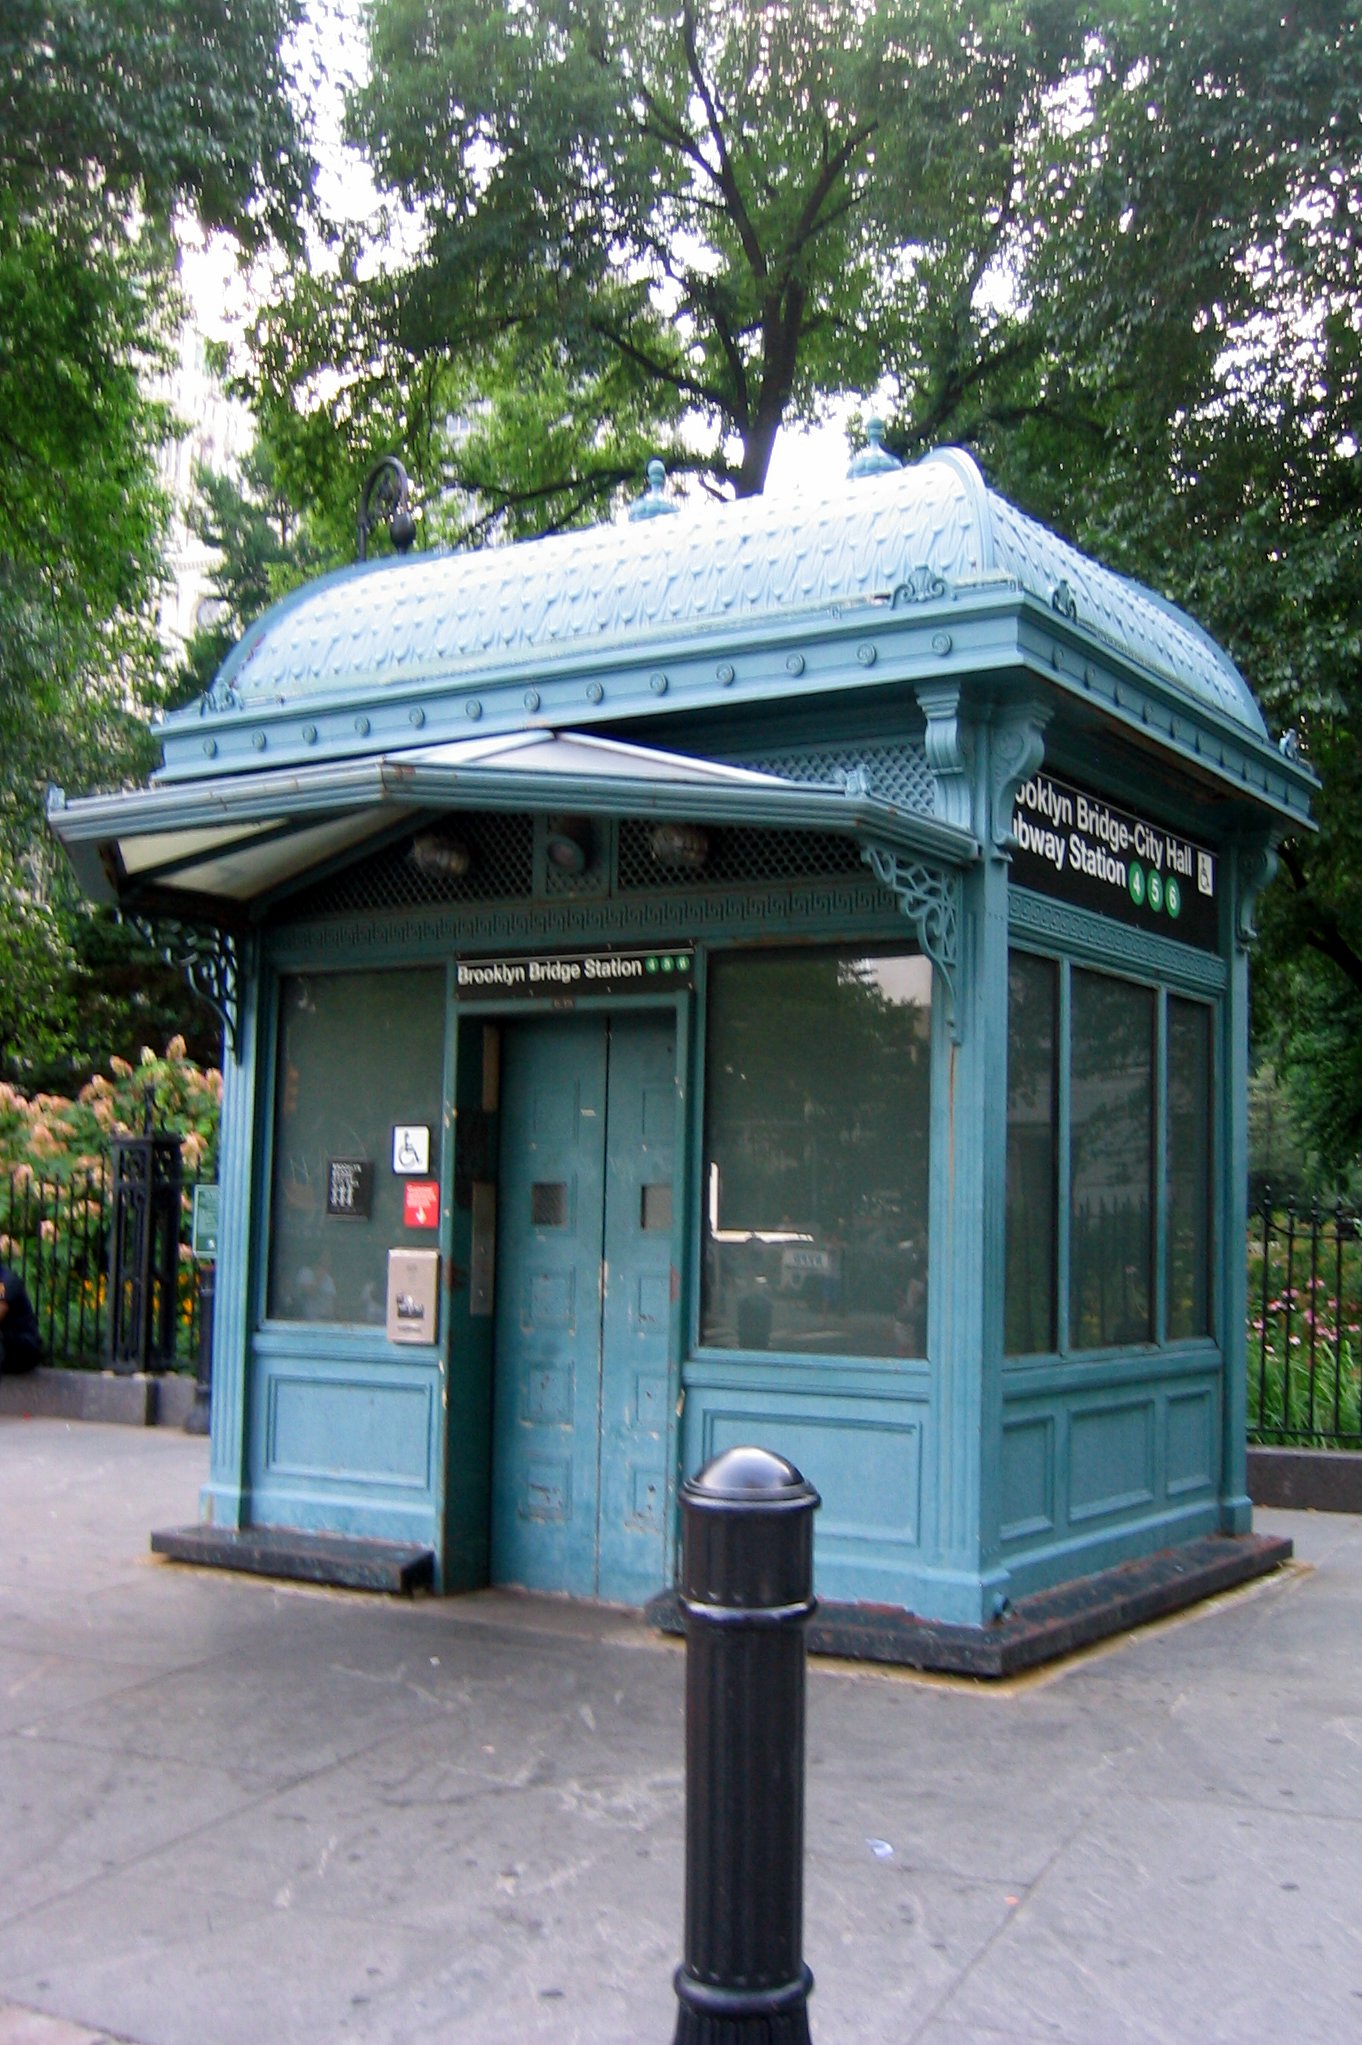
579, 1478
636, 1312
550, 1217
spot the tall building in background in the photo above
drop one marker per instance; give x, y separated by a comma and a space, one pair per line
218, 431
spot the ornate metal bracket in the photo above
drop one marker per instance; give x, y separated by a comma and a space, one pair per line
1016, 750
1254, 868
930, 898
948, 742
210, 961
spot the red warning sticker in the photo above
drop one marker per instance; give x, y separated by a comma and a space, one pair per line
421, 1203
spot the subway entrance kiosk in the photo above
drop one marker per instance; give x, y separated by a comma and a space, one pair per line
757, 974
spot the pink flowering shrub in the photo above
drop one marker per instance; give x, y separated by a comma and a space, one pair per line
54, 1184
1305, 1328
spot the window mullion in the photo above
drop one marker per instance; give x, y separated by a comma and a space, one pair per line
1063, 1174
1159, 1191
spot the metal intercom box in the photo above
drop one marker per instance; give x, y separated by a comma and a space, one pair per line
413, 1295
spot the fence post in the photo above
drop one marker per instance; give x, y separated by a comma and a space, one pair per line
144, 1250
747, 1594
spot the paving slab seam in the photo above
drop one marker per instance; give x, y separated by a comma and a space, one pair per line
20, 2025
98, 1876
1016, 1906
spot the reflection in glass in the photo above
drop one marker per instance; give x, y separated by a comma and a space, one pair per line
1111, 1153
817, 1109
1189, 1168
358, 1054
1032, 1155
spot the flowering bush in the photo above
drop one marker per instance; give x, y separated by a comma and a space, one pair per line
54, 1186
1305, 1327
56, 1137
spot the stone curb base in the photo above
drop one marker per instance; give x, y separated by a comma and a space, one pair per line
1306, 1480
30, 2027
348, 1561
133, 1401
1044, 1625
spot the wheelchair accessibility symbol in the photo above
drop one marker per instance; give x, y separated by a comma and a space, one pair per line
411, 1148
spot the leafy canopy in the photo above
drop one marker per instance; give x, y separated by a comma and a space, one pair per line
626, 227
117, 117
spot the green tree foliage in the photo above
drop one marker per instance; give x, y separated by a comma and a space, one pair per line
1195, 417
116, 118
630, 226
1046, 224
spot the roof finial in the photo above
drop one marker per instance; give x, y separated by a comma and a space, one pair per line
874, 458
654, 505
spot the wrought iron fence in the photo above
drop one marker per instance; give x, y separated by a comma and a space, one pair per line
1305, 1325
57, 1233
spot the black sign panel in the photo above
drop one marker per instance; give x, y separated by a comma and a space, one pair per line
1080, 848
560, 976
349, 1187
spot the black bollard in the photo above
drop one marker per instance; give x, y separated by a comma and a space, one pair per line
199, 1418
747, 1594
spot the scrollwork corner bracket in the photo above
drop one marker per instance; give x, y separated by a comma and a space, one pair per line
210, 961
930, 898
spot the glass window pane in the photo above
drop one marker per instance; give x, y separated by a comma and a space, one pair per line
1189, 1168
818, 1081
1032, 1155
358, 1053
1111, 1108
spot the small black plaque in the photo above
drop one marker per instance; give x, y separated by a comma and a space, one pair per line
349, 1187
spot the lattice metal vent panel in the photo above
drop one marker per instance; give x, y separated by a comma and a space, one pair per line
495, 852
731, 856
897, 773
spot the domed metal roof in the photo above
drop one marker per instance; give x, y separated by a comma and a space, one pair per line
935, 530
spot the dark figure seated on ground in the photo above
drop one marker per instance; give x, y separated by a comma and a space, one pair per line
20, 1347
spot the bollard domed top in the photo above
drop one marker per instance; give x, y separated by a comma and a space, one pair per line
748, 1545
749, 1474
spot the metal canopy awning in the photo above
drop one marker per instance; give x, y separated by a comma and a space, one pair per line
215, 847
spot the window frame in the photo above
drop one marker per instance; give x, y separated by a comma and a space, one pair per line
1165, 988
706, 1354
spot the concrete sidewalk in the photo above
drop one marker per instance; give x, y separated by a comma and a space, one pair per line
234, 1812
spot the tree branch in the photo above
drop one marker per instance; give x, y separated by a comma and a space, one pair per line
665, 372
725, 176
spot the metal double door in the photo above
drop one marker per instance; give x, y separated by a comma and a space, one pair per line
584, 1305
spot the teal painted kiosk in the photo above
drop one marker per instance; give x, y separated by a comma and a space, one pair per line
762, 973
